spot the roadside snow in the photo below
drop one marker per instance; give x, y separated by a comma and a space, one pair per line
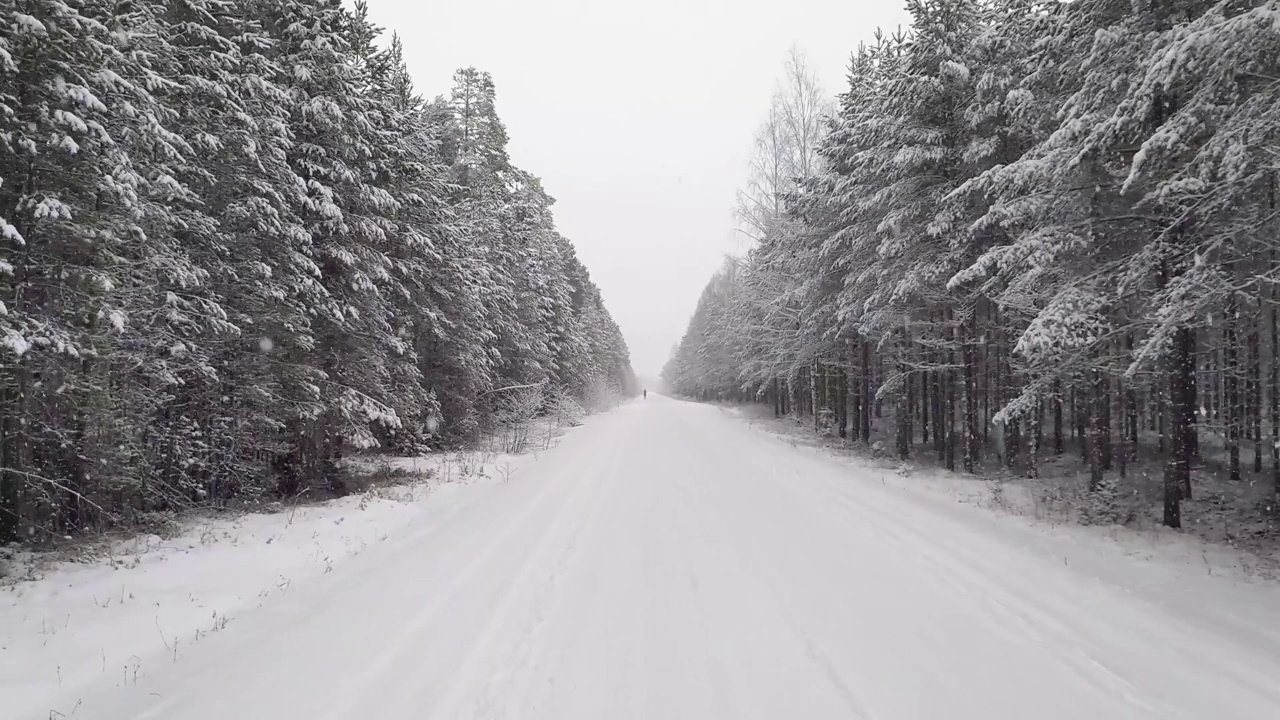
148, 601
1229, 588
668, 561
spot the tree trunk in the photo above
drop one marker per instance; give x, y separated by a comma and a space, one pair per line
939, 404
1275, 356
990, 385
951, 396
1231, 384
879, 384
1104, 438
1057, 417
865, 421
1160, 413
1275, 378
815, 368
1213, 390
1033, 457
842, 401
1081, 411
1254, 390
908, 400
1097, 428
12, 440
852, 391
903, 418
967, 399
1005, 393
925, 399
1038, 434
1121, 411
1131, 408
1177, 476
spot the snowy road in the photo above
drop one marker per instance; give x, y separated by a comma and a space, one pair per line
669, 561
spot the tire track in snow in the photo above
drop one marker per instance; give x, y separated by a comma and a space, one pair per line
803, 476
545, 549
1004, 596
1007, 598
523, 655
1010, 614
402, 646
768, 578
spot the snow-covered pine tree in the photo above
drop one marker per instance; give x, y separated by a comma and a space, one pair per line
75, 208
1037, 210
339, 133
234, 247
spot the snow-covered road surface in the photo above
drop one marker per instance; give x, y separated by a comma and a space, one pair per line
668, 561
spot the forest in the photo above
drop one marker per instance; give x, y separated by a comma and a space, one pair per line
1024, 231
239, 246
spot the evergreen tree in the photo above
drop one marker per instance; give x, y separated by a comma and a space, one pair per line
237, 246
1026, 210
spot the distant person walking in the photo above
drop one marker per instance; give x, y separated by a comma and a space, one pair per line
646, 393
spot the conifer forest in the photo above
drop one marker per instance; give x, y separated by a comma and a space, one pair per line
1022, 231
239, 245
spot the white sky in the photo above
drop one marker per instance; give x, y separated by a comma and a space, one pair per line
639, 119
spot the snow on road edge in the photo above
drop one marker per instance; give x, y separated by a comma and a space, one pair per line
146, 600
1208, 584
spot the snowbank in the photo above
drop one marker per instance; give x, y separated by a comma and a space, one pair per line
149, 599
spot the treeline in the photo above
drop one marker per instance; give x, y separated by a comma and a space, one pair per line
238, 244
1025, 225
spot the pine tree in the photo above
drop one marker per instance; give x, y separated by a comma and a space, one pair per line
235, 248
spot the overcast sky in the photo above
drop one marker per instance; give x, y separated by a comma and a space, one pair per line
638, 117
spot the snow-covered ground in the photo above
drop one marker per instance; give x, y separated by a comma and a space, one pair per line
1212, 550
667, 560
129, 606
